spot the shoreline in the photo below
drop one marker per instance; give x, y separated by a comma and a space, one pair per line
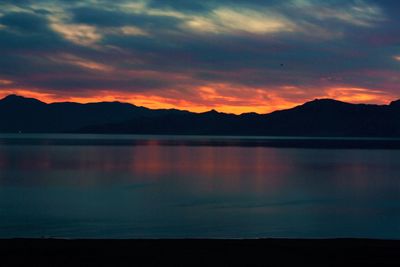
200, 252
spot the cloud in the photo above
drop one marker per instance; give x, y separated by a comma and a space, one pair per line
227, 20
358, 13
78, 33
299, 17
359, 95
125, 14
81, 62
131, 30
21, 38
180, 5
23, 22
4, 82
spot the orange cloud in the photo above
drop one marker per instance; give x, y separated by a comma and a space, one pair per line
359, 95
81, 62
5, 82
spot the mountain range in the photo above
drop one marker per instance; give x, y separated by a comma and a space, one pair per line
320, 117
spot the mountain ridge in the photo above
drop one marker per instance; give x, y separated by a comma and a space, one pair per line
319, 117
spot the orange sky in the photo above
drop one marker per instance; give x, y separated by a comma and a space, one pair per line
259, 101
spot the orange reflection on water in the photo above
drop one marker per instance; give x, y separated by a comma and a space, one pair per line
211, 167
206, 168
203, 169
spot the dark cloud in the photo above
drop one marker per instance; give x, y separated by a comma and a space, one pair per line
24, 22
100, 17
17, 2
182, 5
201, 5
26, 34
99, 82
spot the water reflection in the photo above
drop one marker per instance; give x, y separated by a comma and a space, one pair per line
158, 190
203, 168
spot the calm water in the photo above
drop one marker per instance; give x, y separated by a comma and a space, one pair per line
97, 187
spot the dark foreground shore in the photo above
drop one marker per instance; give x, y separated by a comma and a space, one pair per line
265, 252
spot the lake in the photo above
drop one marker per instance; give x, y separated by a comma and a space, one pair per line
101, 186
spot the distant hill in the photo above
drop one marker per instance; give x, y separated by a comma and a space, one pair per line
320, 117
20, 114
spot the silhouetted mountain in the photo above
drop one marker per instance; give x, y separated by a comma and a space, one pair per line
320, 117
21, 114
327, 117
395, 104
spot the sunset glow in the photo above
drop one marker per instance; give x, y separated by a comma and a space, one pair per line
211, 100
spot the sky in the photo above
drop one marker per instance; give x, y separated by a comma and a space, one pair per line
233, 56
